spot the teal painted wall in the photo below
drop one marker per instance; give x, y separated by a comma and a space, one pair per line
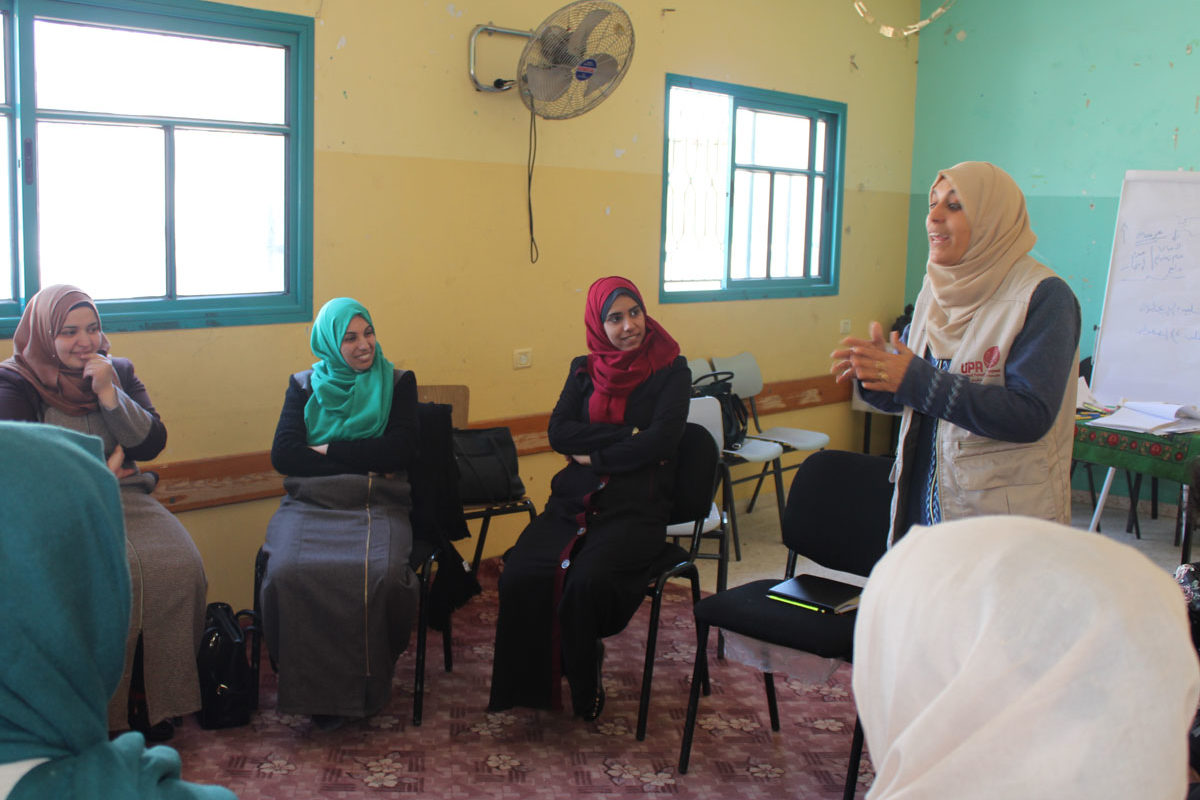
1066, 96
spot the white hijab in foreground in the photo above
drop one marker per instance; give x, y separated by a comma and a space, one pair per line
1008, 657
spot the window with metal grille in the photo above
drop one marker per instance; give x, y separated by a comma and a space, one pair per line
752, 192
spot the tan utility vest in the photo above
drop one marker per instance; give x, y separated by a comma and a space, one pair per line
977, 475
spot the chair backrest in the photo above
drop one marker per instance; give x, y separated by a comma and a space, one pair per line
838, 510
695, 474
456, 395
698, 366
747, 377
706, 412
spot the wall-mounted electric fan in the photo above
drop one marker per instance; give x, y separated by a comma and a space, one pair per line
572, 61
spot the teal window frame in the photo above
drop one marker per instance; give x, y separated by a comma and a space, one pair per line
189, 18
834, 114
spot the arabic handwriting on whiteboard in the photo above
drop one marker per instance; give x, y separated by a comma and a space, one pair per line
1157, 252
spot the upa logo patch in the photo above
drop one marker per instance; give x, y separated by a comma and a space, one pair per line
978, 368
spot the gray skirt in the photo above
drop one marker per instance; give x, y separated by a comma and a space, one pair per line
338, 597
169, 595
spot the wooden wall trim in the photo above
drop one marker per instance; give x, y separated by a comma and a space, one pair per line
218, 481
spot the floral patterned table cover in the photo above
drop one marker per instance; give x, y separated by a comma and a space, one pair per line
1160, 456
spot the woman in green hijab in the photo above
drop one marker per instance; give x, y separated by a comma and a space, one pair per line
64, 611
345, 440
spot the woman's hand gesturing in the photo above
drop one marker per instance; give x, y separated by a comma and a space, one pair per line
879, 365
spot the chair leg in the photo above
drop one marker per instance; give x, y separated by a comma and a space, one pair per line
422, 631
780, 498
699, 676
483, 529
260, 569
694, 577
772, 706
651, 646
447, 642
856, 748
1180, 514
1134, 484
723, 556
1091, 480
731, 510
757, 487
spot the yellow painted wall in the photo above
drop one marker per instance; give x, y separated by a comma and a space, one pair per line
420, 213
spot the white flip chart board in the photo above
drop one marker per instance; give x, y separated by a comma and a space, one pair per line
1149, 342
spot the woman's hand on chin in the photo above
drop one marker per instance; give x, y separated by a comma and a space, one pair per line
99, 368
879, 365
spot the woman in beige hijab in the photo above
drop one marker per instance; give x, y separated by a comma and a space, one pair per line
1008, 657
984, 375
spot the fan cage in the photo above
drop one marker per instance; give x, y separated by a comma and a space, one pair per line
549, 50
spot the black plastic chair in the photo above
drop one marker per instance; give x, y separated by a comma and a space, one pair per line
421, 561
695, 484
837, 515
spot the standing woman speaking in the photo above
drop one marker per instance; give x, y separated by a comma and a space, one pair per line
984, 374
579, 571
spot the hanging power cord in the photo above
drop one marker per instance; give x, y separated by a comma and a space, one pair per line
533, 246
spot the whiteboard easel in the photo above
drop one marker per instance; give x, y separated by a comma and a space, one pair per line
1148, 347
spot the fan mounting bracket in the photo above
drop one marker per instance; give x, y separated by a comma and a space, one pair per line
500, 85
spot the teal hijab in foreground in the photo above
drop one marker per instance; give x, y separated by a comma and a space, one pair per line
346, 404
64, 597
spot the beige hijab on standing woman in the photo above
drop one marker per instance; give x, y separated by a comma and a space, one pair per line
1000, 236
1008, 657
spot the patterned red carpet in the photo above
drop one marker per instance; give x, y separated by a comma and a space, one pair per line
460, 751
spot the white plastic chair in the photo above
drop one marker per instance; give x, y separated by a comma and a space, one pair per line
700, 366
706, 411
765, 447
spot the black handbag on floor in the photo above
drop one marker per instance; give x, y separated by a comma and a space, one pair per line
734, 416
487, 465
228, 685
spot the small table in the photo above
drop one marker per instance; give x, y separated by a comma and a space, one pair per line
1167, 457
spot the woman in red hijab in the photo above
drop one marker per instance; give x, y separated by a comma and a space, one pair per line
579, 571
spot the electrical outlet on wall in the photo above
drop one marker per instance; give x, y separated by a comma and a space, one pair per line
522, 357
844, 327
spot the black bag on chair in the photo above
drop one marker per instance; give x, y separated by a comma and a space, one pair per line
734, 416
487, 465
228, 686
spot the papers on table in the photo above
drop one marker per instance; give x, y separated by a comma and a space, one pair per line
1156, 418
